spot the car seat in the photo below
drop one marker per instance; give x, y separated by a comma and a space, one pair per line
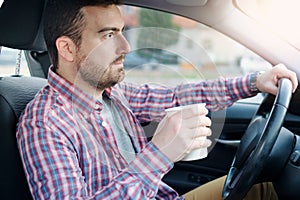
20, 28
15, 93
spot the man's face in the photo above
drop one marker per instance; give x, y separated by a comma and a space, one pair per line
101, 53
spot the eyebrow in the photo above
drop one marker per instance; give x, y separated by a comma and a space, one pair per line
110, 29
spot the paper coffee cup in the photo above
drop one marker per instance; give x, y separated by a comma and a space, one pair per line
195, 154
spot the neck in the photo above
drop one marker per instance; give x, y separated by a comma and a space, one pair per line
73, 77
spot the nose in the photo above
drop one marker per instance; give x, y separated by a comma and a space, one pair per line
123, 45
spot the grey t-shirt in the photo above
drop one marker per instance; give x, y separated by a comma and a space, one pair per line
123, 140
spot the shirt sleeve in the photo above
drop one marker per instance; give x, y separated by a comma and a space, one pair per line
148, 102
52, 167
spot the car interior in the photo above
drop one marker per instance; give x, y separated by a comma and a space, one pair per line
23, 31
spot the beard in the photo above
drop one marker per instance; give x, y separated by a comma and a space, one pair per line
100, 76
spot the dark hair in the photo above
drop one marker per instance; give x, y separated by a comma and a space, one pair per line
64, 18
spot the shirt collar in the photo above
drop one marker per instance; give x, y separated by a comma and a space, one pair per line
80, 101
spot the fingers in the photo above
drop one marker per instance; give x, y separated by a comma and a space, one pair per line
197, 121
268, 82
202, 131
199, 134
194, 116
198, 143
191, 117
282, 72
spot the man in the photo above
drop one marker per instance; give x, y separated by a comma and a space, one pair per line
80, 138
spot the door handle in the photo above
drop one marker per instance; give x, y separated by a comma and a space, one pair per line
232, 143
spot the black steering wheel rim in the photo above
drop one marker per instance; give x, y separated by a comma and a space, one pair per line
243, 174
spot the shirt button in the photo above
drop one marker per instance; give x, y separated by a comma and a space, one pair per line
97, 106
104, 124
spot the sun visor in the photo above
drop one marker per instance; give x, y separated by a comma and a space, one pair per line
20, 24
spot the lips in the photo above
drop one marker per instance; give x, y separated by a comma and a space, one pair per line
119, 61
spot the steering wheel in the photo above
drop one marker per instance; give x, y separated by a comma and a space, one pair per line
256, 144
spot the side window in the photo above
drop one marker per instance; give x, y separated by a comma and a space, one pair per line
8, 62
170, 49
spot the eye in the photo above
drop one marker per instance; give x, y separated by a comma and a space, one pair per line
109, 35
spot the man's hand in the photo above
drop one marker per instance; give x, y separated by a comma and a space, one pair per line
268, 81
176, 135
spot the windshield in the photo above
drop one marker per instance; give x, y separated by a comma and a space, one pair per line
280, 16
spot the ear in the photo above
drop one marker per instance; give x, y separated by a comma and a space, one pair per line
66, 48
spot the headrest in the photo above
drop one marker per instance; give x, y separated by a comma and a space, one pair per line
20, 24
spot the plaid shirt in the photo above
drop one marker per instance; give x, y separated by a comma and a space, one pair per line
69, 150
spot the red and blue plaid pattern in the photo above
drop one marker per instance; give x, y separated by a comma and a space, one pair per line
69, 150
